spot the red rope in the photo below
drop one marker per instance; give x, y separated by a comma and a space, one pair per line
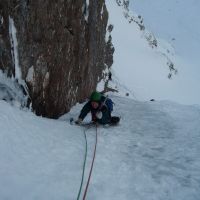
90, 174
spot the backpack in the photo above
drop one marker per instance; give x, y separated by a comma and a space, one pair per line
109, 103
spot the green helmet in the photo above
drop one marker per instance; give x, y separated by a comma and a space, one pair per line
95, 96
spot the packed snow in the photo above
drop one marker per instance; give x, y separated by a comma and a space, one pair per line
152, 154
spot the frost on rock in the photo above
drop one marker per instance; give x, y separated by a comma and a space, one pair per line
108, 32
1, 20
124, 3
29, 77
46, 80
101, 86
104, 84
131, 17
12, 92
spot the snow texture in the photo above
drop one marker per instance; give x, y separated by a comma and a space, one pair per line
152, 154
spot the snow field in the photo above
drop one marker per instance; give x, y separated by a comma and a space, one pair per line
152, 154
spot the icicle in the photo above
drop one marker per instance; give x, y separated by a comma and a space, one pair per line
86, 9
14, 48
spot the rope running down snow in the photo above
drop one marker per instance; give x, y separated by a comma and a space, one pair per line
83, 173
88, 181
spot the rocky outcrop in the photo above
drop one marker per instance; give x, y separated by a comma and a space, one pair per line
61, 49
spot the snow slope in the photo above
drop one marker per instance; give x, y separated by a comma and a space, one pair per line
35, 156
152, 154
143, 70
181, 24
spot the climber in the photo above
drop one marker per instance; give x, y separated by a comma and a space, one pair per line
100, 108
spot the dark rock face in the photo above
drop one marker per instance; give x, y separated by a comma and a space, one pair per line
5, 53
61, 47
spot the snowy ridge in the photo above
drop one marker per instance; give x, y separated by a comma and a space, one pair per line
165, 49
148, 72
